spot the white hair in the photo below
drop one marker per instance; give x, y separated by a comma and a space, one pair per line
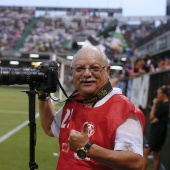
98, 50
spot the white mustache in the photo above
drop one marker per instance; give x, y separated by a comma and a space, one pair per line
87, 79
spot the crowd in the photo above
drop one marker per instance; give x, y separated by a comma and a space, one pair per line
135, 33
12, 26
56, 32
144, 64
162, 28
61, 33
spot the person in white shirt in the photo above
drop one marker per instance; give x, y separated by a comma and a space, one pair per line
98, 127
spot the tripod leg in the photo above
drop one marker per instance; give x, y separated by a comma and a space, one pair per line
32, 126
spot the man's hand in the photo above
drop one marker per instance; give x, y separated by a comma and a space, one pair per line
78, 139
155, 101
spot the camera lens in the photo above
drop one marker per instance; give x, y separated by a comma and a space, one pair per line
9, 76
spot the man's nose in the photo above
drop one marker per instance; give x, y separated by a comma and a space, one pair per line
87, 72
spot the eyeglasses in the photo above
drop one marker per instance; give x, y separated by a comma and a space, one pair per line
93, 69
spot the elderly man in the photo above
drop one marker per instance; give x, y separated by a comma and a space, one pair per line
98, 127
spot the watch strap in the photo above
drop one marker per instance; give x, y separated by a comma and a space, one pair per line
88, 145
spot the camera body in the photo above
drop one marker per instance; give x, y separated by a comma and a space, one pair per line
44, 78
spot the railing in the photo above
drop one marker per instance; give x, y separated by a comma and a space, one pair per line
141, 91
157, 80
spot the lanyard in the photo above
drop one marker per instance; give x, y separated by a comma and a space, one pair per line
96, 97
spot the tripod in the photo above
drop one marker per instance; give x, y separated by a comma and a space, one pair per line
32, 126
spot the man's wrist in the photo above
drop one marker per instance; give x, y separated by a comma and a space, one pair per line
43, 96
82, 152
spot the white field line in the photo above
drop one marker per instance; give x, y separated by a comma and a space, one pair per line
13, 112
10, 133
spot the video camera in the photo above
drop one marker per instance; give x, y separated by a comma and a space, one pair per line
44, 77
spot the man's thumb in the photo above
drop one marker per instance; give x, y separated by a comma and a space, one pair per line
84, 128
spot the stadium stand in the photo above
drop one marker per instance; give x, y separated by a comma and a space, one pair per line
12, 25
60, 33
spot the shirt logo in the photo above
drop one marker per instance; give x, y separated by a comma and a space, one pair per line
64, 147
91, 129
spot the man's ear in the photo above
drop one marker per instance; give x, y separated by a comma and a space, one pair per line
108, 69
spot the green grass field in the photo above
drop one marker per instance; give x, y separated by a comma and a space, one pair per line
14, 151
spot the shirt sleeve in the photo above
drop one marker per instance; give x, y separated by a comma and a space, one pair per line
117, 90
129, 136
55, 126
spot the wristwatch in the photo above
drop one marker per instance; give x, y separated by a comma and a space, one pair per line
81, 152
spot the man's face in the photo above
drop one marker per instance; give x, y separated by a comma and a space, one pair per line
160, 95
90, 73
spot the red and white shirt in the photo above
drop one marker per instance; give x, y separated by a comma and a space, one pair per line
108, 121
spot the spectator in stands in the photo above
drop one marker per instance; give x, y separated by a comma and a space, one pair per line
150, 62
161, 65
167, 63
130, 54
128, 69
136, 68
144, 67
159, 118
98, 128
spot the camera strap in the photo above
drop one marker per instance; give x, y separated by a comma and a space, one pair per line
61, 87
107, 88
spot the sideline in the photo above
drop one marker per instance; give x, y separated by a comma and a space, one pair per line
13, 112
10, 133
